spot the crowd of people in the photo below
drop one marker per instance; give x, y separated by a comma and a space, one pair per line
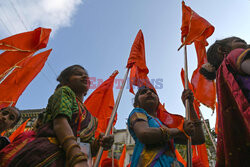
67, 125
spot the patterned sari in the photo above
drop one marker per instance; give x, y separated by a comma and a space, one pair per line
158, 155
45, 149
233, 93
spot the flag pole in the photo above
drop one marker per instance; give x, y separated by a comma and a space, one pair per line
112, 150
111, 120
209, 134
9, 72
189, 144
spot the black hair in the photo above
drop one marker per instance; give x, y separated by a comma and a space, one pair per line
136, 100
63, 78
215, 58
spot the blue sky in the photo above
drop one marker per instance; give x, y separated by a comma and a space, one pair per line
99, 34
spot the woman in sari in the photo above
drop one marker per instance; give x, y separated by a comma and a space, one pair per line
229, 62
154, 142
66, 124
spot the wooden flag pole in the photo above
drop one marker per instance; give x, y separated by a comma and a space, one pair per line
189, 144
112, 150
112, 117
209, 134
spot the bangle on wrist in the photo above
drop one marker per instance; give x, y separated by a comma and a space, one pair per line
164, 134
65, 139
77, 158
70, 148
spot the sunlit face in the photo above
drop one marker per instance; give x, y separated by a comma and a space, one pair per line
148, 97
238, 43
8, 117
79, 81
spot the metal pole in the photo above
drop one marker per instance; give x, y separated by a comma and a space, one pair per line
112, 150
99, 154
209, 134
189, 143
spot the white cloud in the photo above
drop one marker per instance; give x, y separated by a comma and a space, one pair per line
21, 15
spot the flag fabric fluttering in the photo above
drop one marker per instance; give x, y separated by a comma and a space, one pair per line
19, 49
137, 64
196, 29
122, 157
138, 77
101, 102
26, 70
18, 131
30, 41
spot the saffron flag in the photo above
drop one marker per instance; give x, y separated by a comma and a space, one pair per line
104, 156
27, 41
26, 70
204, 90
122, 157
108, 162
18, 131
138, 77
101, 102
180, 159
137, 64
196, 29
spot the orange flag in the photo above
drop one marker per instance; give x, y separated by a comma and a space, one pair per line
101, 102
18, 131
171, 120
104, 156
27, 41
26, 70
204, 90
196, 29
180, 159
137, 64
122, 157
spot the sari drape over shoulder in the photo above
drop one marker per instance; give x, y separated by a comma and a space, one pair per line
158, 155
233, 87
45, 149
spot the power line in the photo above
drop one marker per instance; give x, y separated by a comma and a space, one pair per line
18, 14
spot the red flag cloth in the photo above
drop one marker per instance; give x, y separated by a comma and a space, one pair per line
18, 131
180, 159
137, 63
104, 156
194, 27
13, 86
171, 120
204, 90
200, 156
137, 53
8, 60
122, 157
108, 163
101, 102
27, 41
